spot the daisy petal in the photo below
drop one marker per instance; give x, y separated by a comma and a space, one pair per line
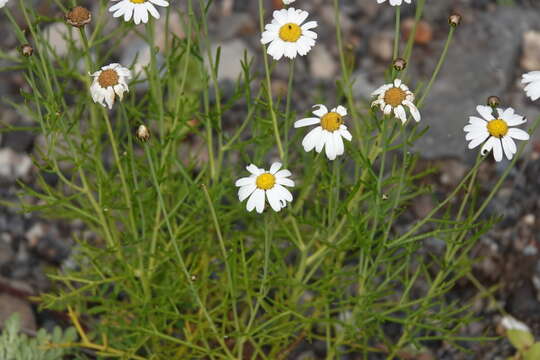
485, 111
245, 191
518, 134
321, 111
306, 122
275, 167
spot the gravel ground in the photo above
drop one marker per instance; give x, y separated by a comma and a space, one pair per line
493, 47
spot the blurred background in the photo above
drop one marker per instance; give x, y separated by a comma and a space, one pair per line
496, 43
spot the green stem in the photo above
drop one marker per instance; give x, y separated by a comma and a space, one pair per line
125, 188
224, 254
288, 109
269, 87
437, 68
346, 77
183, 267
397, 32
410, 42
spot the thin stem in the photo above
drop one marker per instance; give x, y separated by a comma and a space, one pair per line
183, 267
215, 84
224, 254
396, 39
125, 187
269, 87
410, 42
438, 67
397, 32
288, 108
346, 76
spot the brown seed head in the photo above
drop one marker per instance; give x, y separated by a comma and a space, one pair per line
454, 19
142, 133
27, 50
108, 78
78, 16
400, 64
493, 101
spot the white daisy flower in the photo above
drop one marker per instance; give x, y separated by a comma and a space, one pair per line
510, 323
532, 79
286, 34
138, 9
108, 82
394, 97
265, 184
394, 2
288, 2
497, 131
328, 134
3, 3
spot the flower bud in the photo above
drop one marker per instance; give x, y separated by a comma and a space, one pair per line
27, 50
400, 64
142, 133
78, 16
454, 19
493, 101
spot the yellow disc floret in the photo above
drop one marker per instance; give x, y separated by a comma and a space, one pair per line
394, 96
497, 128
331, 121
138, 1
266, 181
290, 32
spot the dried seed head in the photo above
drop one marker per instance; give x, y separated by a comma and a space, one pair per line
454, 19
27, 50
143, 134
78, 16
400, 64
493, 101
108, 78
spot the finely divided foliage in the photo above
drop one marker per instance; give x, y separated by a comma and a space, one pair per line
176, 263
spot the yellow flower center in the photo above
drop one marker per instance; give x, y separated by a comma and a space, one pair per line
497, 128
266, 181
108, 78
331, 121
394, 96
290, 32
138, 1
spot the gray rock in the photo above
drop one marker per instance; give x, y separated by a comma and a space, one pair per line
6, 252
233, 25
232, 53
480, 63
137, 56
13, 165
362, 87
61, 37
328, 16
322, 63
10, 305
531, 51
382, 45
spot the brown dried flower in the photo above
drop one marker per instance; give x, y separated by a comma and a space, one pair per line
78, 16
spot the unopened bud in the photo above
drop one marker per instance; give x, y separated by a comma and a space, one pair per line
78, 16
493, 101
27, 50
400, 64
454, 19
142, 133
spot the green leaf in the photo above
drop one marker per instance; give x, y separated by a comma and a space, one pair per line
520, 339
533, 353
